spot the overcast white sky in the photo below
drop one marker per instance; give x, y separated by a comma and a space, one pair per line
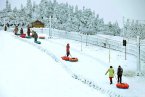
110, 10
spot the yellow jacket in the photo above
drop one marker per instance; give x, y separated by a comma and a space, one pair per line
111, 72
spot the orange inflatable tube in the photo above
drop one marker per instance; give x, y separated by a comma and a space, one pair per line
122, 85
65, 58
73, 59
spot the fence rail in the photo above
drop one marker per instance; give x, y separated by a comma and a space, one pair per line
115, 44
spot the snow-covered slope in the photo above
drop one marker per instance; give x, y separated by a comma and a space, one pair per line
91, 67
27, 72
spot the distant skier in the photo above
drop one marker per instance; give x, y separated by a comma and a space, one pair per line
35, 35
111, 74
21, 31
16, 30
67, 49
5, 28
28, 30
119, 74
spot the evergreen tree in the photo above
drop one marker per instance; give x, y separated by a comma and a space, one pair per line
7, 5
116, 29
64, 17
9, 8
29, 10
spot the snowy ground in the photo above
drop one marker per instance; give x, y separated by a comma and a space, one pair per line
26, 71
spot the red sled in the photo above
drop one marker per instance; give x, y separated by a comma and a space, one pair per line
23, 35
65, 58
122, 85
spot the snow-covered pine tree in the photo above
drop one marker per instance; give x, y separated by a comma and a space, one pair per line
34, 11
76, 19
87, 21
139, 29
131, 30
55, 18
8, 6
43, 7
70, 23
63, 16
29, 11
126, 28
116, 30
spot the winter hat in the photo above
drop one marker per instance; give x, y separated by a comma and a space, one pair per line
111, 67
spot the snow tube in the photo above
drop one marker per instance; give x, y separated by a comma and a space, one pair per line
73, 59
17, 34
41, 37
23, 35
65, 58
38, 42
28, 36
122, 85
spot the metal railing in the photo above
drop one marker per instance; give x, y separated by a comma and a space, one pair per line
115, 44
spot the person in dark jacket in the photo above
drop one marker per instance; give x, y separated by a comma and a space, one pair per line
35, 35
5, 28
21, 31
16, 30
119, 74
67, 50
28, 30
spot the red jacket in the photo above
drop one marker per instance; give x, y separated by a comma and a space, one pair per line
67, 48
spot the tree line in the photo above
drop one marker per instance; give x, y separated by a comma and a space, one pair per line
64, 17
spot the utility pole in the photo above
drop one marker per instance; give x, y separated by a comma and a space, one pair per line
124, 40
125, 52
109, 53
123, 28
50, 27
87, 39
138, 56
81, 42
124, 44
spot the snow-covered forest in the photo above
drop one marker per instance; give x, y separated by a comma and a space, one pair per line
69, 18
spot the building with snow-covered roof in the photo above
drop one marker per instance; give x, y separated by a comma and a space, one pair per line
37, 24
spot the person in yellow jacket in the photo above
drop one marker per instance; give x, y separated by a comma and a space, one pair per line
111, 74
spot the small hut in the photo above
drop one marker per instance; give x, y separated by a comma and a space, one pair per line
37, 24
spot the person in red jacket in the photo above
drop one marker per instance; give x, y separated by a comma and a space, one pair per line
67, 50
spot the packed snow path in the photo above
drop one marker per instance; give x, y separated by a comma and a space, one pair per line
92, 72
27, 72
